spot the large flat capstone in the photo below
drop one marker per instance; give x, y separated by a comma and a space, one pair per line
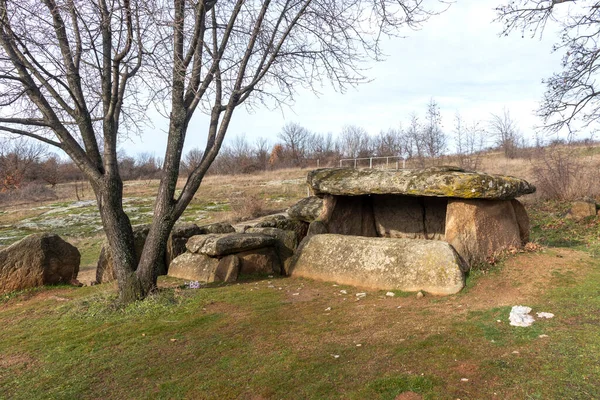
436, 182
381, 263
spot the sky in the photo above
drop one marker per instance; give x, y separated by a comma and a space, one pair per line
457, 58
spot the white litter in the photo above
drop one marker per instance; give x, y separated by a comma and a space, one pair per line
543, 336
361, 295
545, 315
328, 309
390, 294
464, 380
519, 316
335, 355
343, 292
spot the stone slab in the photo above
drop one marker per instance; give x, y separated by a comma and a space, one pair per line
435, 182
381, 263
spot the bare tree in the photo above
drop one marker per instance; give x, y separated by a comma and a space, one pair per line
506, 132
18, 160
571, 99
74, 73
354, 141
433, 137
470, 142
295, 140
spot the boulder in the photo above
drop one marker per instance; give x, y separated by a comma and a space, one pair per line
287, 242
522, 220
478, 229
105, 269
433, 182
308, 209
220, 245
218, 227
259, 261
287, 224
583, 208
38, 260
195, 267
381, 263
177, 240
316, 228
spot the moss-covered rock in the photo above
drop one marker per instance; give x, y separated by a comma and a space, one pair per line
436, 182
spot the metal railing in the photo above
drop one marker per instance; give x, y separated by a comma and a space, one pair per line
395, 160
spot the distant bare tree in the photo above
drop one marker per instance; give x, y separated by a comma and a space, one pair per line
295, 140
506, 132
433, 137
392, 142
77, 74
354, 142
261, 152
470, 142
572, 98
17, 159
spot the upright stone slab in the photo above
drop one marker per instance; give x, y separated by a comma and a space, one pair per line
381, 263
478, 229
399, 216
352, 216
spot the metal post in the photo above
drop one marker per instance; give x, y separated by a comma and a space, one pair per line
371, 163
340, 163
387, 163
355, 163
318, 163
396, 165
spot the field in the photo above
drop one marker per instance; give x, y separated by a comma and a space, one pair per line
293, 338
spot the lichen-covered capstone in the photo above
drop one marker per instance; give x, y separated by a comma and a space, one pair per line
381, 263
434, 182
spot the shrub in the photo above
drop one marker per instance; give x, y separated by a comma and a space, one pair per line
561, 175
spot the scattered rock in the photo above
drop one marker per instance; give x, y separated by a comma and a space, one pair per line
37, 260
545, 315
390, 294
308, 209
381, 263
420, 295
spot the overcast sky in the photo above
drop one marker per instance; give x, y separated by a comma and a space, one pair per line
457, 58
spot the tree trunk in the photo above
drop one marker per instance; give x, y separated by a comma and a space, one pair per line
119, 235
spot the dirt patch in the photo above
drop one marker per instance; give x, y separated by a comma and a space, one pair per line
524, 277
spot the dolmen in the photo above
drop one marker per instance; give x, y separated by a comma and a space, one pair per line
407, 230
